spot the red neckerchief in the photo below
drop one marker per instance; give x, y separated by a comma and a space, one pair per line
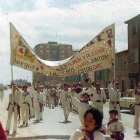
110, 122
98, 91
82, 101
137, 92
89, 134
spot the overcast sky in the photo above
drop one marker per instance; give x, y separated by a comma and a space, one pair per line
73, 22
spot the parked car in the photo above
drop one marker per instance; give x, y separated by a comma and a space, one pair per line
127, 94
126, 103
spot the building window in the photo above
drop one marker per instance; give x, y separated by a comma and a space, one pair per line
135, 55
41, 56
48, 51
62, 47
122, 63
69, 47
48, 47
62, 51
99, 75
41, 51
134, 28
116, 63
41, 47
62, 55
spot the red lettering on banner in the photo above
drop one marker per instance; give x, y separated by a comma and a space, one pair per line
69, 64
77, 60
97, 66
96, 52
82, 64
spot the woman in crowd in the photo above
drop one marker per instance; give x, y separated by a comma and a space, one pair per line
92, 123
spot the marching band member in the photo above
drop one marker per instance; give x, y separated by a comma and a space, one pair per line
47, 97
38, 103
26, 99
99, 97
114, 96
92, 123
137, 108
32, 103
42, 103
115, 127
92, 89
13, 107
82, 105
51, 93
64, 96
1, 94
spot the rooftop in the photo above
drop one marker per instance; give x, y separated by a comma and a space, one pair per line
126, 22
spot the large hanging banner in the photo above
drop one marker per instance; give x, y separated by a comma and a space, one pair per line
96, 55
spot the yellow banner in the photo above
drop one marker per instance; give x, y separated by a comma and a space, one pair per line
94, 56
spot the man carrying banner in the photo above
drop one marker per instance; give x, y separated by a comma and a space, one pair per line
114, 95
26, 99
13, 107
64, 98
38, 102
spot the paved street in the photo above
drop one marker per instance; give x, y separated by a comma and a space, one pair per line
53, 126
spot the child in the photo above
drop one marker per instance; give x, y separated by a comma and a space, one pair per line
92, 123
82, 105
115, 127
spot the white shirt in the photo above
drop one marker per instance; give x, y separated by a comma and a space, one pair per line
16, 98
25, 97
113, 93
91, 91
115, 126
137, 99
79, 95
79, 134
82, 107
38, 97
100, 96
64, 96
1, 92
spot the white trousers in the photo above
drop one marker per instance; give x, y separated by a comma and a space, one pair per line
25, 112
51, 101
81, 118
32, 111
98, 105
47, 100
1, 97
111, 107
137, 115
39, 115
10, 113
66, 108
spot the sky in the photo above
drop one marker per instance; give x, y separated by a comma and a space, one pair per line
73, 22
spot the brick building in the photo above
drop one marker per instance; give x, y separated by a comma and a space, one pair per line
121, 70
134, 50
53, 51
127, 62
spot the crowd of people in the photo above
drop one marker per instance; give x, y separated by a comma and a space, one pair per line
86, 102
